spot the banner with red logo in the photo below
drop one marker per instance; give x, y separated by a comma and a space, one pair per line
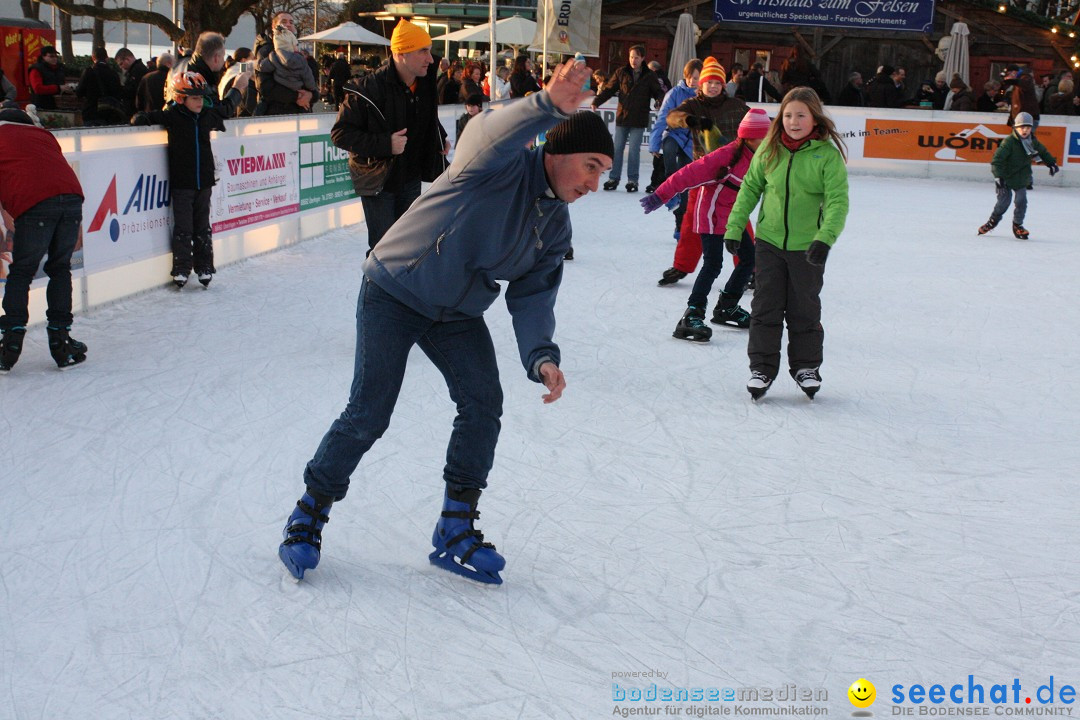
938, 141
257, 180
571, 26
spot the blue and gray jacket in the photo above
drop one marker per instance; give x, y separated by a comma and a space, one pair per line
491, 216
674, 98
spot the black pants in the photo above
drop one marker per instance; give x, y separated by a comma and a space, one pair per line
786, 288
382, 210
191, 226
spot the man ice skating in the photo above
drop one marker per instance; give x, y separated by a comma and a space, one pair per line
429, 281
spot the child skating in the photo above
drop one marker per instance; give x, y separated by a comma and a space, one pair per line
717, 177
800, 170
1012, 168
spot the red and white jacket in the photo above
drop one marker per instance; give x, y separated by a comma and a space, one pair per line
718, 177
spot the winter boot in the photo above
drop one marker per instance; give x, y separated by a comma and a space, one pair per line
459, 546
611, 185
692, 327
671, 276
1020, 232
758, 385
728, 312
809, 379
11, 343
631, 187
65, 350
302, 535
989, 225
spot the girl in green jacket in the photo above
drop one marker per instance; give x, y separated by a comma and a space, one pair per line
800, 177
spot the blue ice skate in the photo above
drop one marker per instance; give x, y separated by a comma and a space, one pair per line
303, 536
460, 547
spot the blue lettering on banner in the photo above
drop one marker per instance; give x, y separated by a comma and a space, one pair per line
913, 15
1074, 147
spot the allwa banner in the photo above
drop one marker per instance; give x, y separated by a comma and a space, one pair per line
914, 15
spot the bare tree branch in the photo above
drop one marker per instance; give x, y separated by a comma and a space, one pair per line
118, 14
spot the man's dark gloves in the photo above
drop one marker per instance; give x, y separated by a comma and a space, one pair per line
816, 253
1053, 169
732, 246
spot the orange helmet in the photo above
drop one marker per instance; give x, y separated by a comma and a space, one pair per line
188, 84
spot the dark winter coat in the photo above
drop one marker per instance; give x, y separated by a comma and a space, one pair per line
1061, 104
636, 96
449, 91
469, 88
45, 84
99, 83
378, 105
986, 103
339, 75
963, 101
523, 83
274, 98
883, 93
755, 88
447, 255
852, 96
191, 160
1022, 97
1012, 164
130, 90
726, 114
151, 94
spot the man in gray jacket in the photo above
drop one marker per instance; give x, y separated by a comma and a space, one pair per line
498, 213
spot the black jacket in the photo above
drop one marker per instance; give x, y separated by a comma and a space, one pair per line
130, 89
274, 98
755, 88
151, 93
635, 96
98, 82
49, 76
340, 73
851, 96
883, 93
191, 160
378, 105
523, 83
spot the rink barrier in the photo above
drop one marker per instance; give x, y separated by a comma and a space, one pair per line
281, 182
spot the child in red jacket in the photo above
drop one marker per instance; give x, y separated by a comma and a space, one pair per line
717, 177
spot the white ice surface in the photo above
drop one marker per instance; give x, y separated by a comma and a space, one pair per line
916, 523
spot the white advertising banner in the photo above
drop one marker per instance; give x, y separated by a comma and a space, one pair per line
126, 216
256, 180
571, 26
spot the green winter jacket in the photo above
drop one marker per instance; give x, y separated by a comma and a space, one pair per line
1013, 165
805, 197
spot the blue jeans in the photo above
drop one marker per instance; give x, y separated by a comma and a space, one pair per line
382, 210
49, 228
1004, 197
622, 136
463, 352
712, 262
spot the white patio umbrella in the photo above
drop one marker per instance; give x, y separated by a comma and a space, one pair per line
514, 31
957, 60
683, 49
349, 33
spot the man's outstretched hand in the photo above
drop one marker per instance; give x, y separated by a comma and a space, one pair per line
565, 86
553, 380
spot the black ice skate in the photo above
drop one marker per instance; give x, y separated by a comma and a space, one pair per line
989, 225
179, 280
1020, 232
631, 187
809, 380
671, 276
692, 326
734, 315
611, 185
65, 350
11, 344
758, 385
205, 278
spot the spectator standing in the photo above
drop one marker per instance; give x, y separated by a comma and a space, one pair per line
47, 79
941, 90
289, 69
470, 83
522, 80
339, 75
450, 92
133, 70
735, 78
1062, 102
961, 99
100, 91
757, 88
501, 88
151, 93
275, 99
235, 66
853, 94
665, 81
207, 60
885, 90
988, 101
1021, 92
43, 195
474, 104
390, 126
188, 122
637, 88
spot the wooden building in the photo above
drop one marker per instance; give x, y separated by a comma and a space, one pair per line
997, 39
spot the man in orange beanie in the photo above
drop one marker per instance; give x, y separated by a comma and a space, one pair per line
390, 125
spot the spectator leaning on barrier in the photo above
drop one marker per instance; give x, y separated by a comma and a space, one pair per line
1062, 102
339, 75
853, 94
151, 92
756, 88
390, 126
43, 195
47, 79
961, 99
286, 67
235, 66
884, 91
988, 101
134, 70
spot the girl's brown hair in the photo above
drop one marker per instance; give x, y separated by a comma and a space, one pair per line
822, 123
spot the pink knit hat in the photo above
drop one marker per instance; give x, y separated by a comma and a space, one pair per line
755, 125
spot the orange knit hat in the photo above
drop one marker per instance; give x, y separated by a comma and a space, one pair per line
712, 70
408, 37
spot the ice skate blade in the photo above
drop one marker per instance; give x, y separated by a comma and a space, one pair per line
446, 561
811, 391
700, 339
287, 560
757, 393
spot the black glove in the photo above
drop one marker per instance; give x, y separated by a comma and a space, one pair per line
816, 253
1053, 169
732, 246
140, 118
699, 122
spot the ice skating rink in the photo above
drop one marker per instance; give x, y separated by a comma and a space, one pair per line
916, 524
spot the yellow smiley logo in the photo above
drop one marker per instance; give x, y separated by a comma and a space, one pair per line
862, 693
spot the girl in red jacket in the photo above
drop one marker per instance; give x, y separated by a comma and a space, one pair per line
718, 177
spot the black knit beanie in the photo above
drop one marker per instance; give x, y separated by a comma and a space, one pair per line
582, 132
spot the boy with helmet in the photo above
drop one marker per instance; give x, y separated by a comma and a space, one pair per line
191, 167
1012, 168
